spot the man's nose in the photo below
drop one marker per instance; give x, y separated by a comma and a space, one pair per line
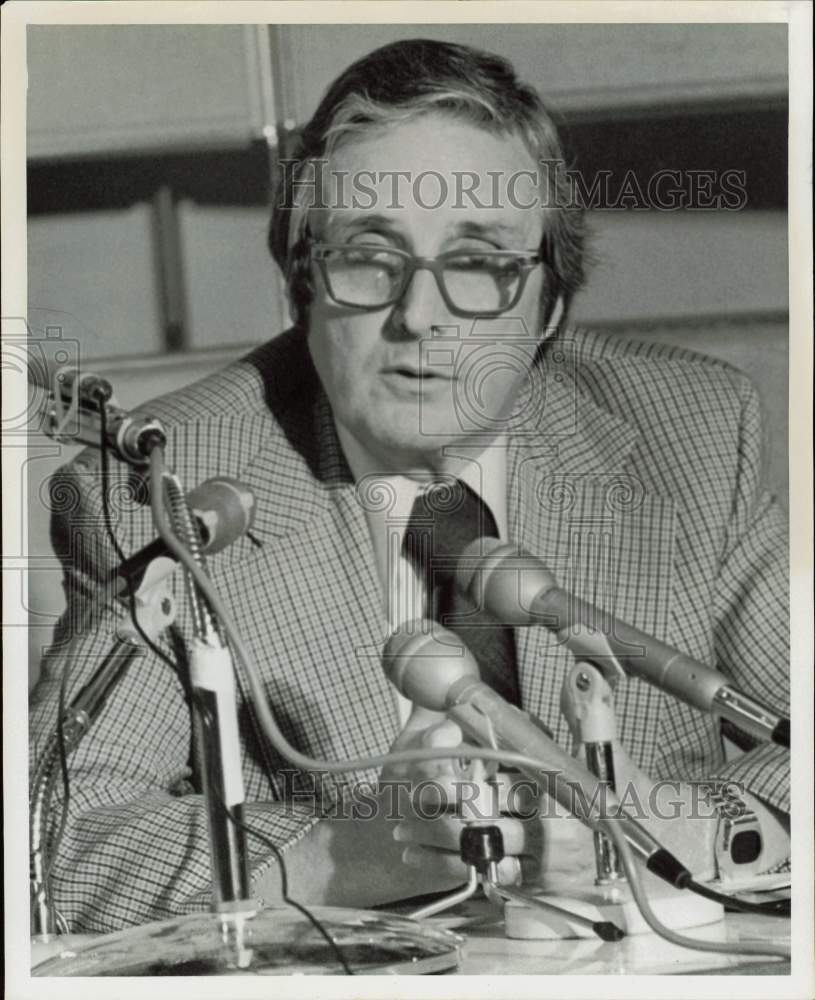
421, 306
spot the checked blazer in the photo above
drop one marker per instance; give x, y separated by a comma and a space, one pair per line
634, 473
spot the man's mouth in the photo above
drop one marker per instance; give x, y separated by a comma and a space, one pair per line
418, 374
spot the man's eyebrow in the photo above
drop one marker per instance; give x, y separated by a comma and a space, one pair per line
346, 222
492, 228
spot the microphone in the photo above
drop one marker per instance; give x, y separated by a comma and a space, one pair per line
517, 589
224, 509
438, 672
75, 400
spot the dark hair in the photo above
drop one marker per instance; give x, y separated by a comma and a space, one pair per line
404, 80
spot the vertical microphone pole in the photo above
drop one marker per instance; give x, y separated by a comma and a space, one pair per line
216, 725
587, 701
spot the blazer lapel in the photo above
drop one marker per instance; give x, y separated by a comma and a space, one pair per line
308, 592
579, 501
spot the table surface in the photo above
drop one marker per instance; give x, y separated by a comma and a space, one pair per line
487, 950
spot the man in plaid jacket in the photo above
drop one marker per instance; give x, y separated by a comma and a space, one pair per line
427, 344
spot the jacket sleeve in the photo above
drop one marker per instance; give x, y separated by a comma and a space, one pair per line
752, 611
135, 847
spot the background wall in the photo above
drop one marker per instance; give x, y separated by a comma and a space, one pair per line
151, 150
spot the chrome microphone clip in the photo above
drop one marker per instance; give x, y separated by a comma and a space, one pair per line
75, 413
89, 387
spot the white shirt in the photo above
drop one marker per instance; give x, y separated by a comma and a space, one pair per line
403, 592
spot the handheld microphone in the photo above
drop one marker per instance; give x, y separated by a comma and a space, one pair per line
74, 404
517, 589
224, 509
438, 672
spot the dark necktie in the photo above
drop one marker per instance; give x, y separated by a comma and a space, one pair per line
445, 518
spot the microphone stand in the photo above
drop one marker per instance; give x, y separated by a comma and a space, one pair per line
587, 702
216, 728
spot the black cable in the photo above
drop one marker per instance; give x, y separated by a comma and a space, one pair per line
62, 699
771, 908
611, 825
284, 887
105, 476
153, 646
776, 908
206, 720
63, 686
108, 523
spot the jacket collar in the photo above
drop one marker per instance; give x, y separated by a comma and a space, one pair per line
554, 422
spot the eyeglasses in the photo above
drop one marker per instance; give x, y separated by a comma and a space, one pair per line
471, 282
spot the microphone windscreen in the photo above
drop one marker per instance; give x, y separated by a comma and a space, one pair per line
471, 561
423, 660
505, 580
225, 508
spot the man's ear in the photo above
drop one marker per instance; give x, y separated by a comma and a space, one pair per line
552, 323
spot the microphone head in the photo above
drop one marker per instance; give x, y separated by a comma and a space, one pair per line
423, 661
225, 509
46, 374
505, 580
473, 560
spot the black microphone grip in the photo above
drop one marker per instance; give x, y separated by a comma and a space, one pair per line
223, 508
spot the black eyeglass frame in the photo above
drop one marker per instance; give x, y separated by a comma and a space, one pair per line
528, 260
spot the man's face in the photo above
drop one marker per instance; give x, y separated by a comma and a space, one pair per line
410, 378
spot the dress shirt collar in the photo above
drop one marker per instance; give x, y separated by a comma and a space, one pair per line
389, 496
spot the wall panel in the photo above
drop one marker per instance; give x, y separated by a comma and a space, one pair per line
578, 68
94, 275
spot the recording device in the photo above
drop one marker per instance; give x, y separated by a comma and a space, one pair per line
430, 666
517, 589
75, 401
223, 508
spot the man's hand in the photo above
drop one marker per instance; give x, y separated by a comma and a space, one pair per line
410, 845
439, 796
